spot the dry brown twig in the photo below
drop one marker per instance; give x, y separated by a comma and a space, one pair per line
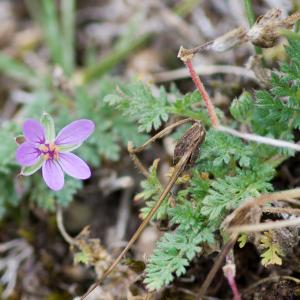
239, 221
185, 152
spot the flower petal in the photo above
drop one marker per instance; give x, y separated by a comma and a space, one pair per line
74, 166
34, 131
53, 175
75, 133
27, 154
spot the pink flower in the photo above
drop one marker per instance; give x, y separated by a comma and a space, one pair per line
42, 149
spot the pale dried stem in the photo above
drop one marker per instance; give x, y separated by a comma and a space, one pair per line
137, 161
264, 226
178, 169
132, 151
281, 210
204, 70
159, 135
236, 217
61, 227
285, 195
259, 139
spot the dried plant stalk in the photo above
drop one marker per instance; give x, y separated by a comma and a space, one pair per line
189, 145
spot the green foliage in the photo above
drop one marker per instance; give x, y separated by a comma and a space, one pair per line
229, 192
228, 172
45, 198
8, 148
151, 192
8, 169
81, 257
277, 111
272, 251
242, 108
172, 255
137, 102
188, 106
221, 153
242, 240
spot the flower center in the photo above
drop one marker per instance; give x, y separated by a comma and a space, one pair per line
49, 151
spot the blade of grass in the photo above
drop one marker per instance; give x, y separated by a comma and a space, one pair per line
117, 55
19, 71
68, 30
184, 7
251, 19
34, 9
51, 29
122, 50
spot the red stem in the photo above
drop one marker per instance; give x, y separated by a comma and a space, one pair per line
233, 286
204, 94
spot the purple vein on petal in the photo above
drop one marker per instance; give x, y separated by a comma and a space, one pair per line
34, 131
74, 166
75, 133
53, 175
27, 154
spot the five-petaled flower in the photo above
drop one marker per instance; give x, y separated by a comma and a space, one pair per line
41, 149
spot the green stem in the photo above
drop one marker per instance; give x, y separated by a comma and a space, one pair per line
290, 34
121, 51
184, 7
117, 55
297, 26
68, 27
51, 31
251, 19
296, 8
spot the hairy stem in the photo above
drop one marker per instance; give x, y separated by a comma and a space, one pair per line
200, 87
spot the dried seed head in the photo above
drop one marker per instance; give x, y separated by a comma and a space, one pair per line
193, 137
185, 54
229, 40
266, 30
263, 75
